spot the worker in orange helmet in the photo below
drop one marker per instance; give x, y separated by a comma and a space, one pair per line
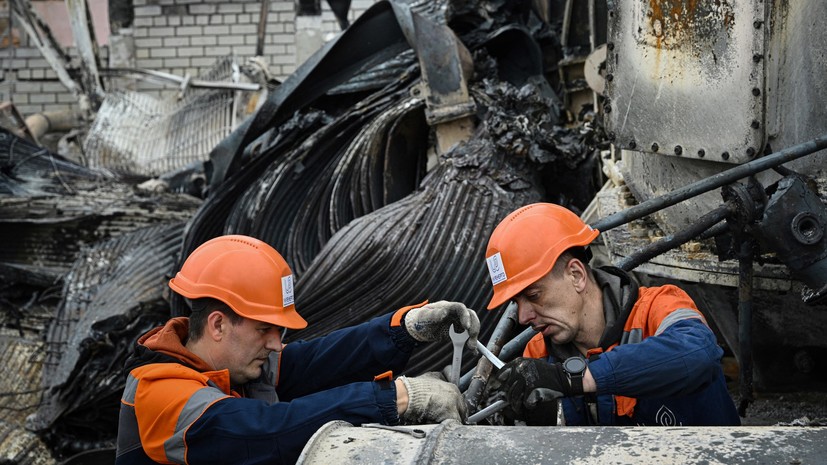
219, 386
616, 353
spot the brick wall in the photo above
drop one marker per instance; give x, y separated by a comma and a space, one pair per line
175, 36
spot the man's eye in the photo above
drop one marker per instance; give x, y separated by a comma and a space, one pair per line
532, 296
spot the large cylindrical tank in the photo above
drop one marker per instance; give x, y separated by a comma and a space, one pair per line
453, 443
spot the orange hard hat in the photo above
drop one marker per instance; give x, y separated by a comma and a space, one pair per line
245, 273
525, 245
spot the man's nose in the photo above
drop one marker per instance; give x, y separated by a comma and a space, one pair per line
274, 341
524, 312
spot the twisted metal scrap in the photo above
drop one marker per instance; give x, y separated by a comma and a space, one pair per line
114, 293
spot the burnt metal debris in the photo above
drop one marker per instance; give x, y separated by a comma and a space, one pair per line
337, 169
378, 175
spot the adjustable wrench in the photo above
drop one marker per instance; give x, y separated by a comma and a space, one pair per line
458, 340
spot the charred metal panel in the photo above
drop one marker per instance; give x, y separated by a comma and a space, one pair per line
686, 78
52, 207
113, 293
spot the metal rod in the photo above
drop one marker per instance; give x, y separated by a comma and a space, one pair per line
745, 275
491, 357
503, 329
487, 412
262, 27
713, 182
714, 231
675, 240
162, 76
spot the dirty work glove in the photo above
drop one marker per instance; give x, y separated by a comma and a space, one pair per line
529, 384
431, 322
432, 400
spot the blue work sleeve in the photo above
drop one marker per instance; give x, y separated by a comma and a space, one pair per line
239, 430
682, 360
356, 353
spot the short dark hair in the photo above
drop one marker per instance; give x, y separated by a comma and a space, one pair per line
581, 253
203, 307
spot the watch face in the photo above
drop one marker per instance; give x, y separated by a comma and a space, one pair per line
574, 365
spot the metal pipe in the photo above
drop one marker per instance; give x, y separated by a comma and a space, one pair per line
714, 231
713, 182
671, 241
745, 275
474, 384
516, 346
487, 412
43, 123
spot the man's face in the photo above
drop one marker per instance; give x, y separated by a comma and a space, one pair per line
246, 348
552, 306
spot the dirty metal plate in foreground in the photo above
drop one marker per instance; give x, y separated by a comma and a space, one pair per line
453, 443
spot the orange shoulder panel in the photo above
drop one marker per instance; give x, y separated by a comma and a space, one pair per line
162, 393
656, 303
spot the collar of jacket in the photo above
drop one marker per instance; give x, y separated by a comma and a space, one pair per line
619, 297
165, 344
620, 294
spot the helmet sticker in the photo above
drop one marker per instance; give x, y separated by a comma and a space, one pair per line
287, 290
496, 268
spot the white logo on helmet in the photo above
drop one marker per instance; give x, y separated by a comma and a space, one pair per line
496, 268
287, 290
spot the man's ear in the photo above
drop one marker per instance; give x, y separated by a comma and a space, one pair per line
215, 325
576, 270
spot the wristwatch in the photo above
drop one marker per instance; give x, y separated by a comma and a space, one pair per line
575, 368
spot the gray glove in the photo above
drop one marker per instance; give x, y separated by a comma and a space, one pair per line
431, 322
432, 400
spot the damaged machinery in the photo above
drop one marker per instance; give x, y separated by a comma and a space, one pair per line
380, 167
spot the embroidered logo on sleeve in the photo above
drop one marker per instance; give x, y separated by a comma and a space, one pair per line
287, 290
496, 268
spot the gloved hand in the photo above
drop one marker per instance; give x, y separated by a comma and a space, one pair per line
431, 322
529, 384
431, 399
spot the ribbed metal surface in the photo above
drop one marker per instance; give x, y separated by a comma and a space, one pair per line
429, 245
308, 193
57, 206
21, 447
113, 293
19, 377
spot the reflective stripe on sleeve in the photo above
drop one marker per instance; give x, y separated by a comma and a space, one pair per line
676, 316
